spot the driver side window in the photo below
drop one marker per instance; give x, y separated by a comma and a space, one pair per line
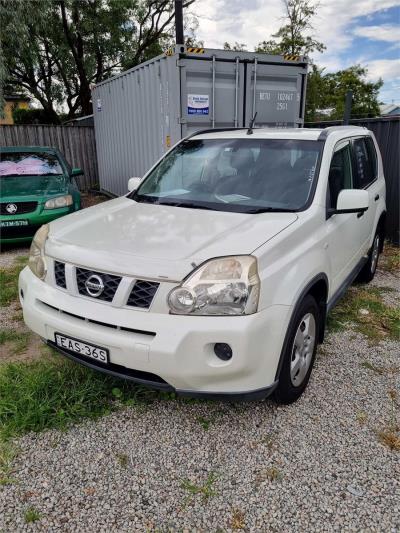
340, 173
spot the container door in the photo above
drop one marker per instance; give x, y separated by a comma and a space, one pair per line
211, 94
275, 92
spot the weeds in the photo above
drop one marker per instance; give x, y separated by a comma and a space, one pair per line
7, 455
206, 490
237, 520
31, 515
366, 310
372, 367
9, 281
122, 459
54, 393
390, 260
19, 340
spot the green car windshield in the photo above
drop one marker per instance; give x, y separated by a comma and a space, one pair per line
29, 164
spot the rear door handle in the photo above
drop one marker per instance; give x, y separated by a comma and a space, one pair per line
376, 198
360, 214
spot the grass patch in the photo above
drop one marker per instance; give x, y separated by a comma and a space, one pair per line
55, 393
9, 281
365, 308
205, 490
7, 455
390, 259
18, 339
237, 520
390, 438
31, 515
372, 367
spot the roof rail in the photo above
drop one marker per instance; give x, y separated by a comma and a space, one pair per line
331, 129
211, 130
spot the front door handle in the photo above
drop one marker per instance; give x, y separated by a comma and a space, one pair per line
376, 198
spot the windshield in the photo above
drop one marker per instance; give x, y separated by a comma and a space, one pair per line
29, 164
241, 175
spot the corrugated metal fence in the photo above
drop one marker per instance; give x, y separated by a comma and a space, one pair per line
77, 143
387, 133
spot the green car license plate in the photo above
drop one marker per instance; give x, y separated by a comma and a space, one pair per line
13, 223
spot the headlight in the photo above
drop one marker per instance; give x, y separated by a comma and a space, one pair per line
224, 286
36, 255
59, 201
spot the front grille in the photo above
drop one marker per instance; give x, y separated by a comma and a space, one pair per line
59, 274
17, 208
142, 294
110, 283
19, 232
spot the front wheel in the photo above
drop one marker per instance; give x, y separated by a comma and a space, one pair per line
299, 352
368, 271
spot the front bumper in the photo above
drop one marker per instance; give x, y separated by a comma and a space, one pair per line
164, 351
15, 234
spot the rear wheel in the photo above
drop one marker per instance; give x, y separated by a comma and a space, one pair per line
368, 271
300, 350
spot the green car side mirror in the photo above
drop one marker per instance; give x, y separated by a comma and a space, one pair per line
76, 172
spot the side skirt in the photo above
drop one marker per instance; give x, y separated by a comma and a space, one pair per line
346, 284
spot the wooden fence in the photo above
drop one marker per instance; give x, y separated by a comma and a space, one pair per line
77, 143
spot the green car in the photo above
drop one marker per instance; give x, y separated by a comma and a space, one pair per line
37, 185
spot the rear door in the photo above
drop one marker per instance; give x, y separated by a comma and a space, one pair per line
365, 169
275, 93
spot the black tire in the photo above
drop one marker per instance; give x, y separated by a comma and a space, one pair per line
287, 392
368, 271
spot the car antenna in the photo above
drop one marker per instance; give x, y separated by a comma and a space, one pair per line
251, 124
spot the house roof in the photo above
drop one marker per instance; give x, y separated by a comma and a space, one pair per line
389, 108
16, 97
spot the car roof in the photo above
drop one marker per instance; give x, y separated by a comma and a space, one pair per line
308, 134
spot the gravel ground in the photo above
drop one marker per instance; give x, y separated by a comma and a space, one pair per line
317, 465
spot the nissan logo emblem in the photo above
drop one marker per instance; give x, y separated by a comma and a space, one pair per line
94, 285
11, 208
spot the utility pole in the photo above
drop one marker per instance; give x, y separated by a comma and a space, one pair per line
180, 39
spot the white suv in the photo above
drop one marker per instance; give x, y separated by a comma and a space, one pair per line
214, 277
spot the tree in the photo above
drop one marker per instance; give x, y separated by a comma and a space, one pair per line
328, 92
236, 47
294, 37
58, 48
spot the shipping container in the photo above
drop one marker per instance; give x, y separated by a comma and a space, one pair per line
140, 113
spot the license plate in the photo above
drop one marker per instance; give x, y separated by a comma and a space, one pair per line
9, 223
82, 348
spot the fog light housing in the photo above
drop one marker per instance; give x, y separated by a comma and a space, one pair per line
223, 351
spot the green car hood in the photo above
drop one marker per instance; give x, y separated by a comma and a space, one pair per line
13, 187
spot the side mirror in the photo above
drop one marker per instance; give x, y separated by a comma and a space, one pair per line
76, 172
133, 184
351, 201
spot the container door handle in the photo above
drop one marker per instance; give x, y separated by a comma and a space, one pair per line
236, 92
376, 198
213, 93
255, 87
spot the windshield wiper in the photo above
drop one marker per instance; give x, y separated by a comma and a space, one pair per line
270, 210
189, 205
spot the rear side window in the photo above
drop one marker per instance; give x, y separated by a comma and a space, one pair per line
364, 162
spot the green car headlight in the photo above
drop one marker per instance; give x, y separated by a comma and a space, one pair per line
59, 201
37, 261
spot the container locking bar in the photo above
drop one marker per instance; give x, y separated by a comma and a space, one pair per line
236, 92
213, 92
255, 87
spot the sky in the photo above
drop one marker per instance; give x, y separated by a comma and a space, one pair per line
365, 32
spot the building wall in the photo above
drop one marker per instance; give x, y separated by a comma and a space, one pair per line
9, 106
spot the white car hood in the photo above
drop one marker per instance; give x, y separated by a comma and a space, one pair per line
155, 241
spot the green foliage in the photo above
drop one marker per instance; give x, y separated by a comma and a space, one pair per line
206, 490
18, 339
32, 116
328, 92
294, 36
54, 393
31, 515
57, 50
9, 282
236, 47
